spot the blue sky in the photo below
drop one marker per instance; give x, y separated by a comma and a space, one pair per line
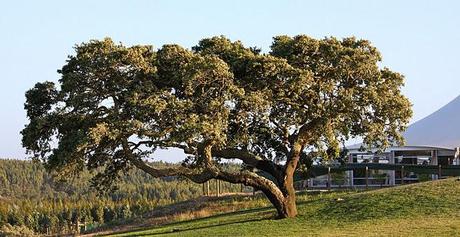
420, 39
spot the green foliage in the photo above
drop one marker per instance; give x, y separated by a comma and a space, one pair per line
115, 105
15, 231
112, 100
32, 198
97, 214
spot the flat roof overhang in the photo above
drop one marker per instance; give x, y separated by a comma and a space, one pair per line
357, 150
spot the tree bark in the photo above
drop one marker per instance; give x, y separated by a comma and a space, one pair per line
280, 193
306, 132
284, 204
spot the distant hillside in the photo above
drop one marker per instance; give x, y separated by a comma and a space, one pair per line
26, 179
32, 197
441, 128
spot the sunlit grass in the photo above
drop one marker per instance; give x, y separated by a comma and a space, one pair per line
425, 209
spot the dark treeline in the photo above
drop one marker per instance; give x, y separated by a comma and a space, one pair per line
31, 197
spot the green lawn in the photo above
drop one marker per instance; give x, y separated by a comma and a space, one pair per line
424, 209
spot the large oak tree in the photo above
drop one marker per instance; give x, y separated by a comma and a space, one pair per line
115, 105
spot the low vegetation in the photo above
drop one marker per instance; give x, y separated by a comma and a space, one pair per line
424, 209
33, 200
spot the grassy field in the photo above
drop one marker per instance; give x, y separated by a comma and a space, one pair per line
424, 209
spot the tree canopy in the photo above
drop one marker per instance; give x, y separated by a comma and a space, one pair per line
115, 105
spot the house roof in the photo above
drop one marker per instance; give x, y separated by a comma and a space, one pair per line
356, 148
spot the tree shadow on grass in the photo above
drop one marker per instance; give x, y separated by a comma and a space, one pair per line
178, 230
262, 210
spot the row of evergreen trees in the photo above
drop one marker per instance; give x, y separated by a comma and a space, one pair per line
31, 197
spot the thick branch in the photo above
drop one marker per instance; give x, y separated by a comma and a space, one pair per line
307, 133
163, 144
284, 135
201, 175
198, 175
251, 160
269, 188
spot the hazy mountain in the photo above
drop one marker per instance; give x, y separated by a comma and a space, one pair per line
440, 128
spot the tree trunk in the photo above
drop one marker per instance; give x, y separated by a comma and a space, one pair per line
287, 185
285, 203
289, 195
280, 193
285, 206
290, 205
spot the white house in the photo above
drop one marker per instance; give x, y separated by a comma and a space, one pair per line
433, 140
405, 155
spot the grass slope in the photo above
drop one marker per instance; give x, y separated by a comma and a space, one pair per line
424, 209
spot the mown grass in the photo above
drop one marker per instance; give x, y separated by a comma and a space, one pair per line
424, 209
